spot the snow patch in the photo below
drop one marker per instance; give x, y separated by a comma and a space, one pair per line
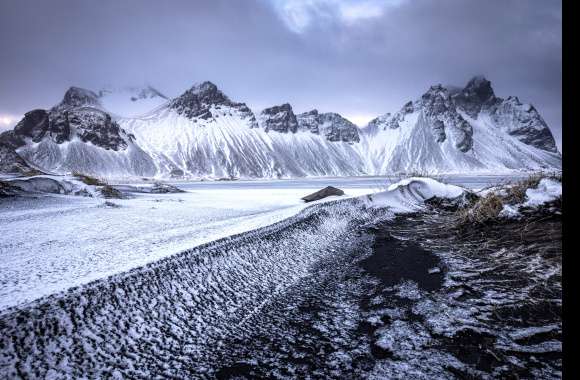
548, 190
410, 194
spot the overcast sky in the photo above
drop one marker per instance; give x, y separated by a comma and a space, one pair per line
359, 58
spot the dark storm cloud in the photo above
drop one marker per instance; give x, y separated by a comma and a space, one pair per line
360, 58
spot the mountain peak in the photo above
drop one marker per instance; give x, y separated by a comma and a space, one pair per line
196, 101
480, 88
77, 97
204, 86
206, 101
206, 92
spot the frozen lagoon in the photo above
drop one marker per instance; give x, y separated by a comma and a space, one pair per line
51, 243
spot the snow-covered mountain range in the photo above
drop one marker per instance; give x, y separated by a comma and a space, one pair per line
203, 133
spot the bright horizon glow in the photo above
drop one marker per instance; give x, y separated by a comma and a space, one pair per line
7, 120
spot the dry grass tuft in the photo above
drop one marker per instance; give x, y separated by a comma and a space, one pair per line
487, 208
483, 210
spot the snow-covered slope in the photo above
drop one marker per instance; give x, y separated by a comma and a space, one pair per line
203, 133
225, 145
450, 130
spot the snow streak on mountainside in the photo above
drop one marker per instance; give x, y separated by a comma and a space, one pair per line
203, 133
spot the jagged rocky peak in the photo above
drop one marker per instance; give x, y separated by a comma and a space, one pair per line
205, 101
309, 121
449, 112
197, 101
337, 128
333, 126
78, 114
476, 96
79, 97
207, 92
519, 120
34, 124
479, 88
439, 113
279, 119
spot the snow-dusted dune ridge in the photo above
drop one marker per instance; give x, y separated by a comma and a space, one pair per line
203, 133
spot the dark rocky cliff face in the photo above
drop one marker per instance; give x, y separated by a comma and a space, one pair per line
10, 161
78, 114
279, 119
331, 125
441, 114
79, 97
35, 125
475, 97
524, 122
309, 121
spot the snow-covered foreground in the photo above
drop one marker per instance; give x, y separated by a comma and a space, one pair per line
52, 243
328, 292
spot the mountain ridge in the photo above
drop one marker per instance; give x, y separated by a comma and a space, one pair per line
203, 133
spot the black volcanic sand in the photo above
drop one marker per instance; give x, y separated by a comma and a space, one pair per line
394, 261
330, 325
338, 292
325, 315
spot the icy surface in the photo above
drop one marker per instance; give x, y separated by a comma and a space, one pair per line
51, 243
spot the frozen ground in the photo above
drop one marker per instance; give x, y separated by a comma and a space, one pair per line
52, 243
343, 289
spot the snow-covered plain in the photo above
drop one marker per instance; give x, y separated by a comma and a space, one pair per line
51, 243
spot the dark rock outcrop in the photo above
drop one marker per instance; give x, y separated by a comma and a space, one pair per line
78, 114
309, 121
10, 161
441, 114
78, 97
205, 101
332, 125
323, 193
279, 119
476, 96
524, 122
34, 125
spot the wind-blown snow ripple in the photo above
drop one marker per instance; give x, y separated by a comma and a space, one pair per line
168, 317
